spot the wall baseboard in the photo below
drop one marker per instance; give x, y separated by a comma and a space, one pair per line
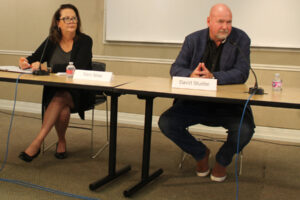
265, 133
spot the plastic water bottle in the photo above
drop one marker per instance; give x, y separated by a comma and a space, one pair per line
277, 83
70, 69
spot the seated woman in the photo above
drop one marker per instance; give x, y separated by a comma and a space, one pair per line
65, 43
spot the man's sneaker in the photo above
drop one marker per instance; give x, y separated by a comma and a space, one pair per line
218, 173
202, 168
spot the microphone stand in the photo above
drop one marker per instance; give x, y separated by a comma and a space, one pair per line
41, 72
255, 89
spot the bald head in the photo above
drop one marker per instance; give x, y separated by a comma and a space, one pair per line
219, 22
219, 8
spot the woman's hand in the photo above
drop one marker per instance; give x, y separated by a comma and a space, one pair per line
23, 63
36, 65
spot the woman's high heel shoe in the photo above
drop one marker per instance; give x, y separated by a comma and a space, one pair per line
27, 158
61, 155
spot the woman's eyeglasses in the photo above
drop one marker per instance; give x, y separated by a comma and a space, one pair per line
69, 20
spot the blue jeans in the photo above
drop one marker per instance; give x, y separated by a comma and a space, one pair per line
174, 122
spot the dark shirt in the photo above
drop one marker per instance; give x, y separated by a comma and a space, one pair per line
59, 60
211, 56
59, 57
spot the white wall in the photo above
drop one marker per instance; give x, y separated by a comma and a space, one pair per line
269, 23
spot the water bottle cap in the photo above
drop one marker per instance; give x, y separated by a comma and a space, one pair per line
70, 63
277, 74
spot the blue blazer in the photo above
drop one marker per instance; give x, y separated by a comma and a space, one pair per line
234, 67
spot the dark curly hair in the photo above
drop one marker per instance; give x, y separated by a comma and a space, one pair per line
54, 32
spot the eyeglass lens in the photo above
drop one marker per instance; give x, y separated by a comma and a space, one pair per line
69, 19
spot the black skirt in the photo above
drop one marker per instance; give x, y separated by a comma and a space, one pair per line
83, 99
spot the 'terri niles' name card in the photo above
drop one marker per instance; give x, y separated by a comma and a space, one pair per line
92, 75
194, 83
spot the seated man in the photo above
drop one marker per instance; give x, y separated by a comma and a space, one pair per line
211, 53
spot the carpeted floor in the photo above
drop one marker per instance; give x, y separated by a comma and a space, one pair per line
270, 171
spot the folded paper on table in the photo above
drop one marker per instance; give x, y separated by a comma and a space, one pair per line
92, 75
194, 83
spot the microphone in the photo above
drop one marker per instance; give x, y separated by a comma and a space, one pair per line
255, 89
41, 72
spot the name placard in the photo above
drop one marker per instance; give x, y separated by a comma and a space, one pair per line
194, 83
92, 75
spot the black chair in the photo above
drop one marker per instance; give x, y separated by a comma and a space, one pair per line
100, 98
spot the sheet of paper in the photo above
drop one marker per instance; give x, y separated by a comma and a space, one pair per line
60, 74
15, 69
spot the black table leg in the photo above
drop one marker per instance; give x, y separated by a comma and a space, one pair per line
112, 173
145, 179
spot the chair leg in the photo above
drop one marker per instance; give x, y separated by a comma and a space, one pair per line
92, 133
241, 163
100, 150
43, 147
46, 148
183, 156
107, 135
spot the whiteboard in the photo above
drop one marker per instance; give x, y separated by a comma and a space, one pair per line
269, 23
